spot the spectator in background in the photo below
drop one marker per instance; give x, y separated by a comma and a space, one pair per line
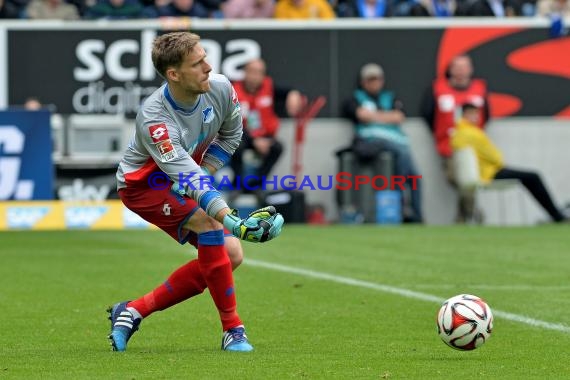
442, 109
527, 8
20, 5
151, 7
467, 133
402, 8
81, 5
178, 8
214, 7
32, 104
51, 10
365, 8
8, 10
248, 8
303, 9
490, 8
433, 8
114, 10
258, 97
377, 116
546, 8
556, 11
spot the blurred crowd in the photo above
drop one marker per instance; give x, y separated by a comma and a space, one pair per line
279, 9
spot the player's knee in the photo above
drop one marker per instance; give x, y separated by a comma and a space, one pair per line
202, 222
235, 251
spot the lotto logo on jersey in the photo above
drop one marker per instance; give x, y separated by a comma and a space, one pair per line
167, 151
158, 132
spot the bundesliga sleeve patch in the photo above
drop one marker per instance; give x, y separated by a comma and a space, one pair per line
158, 133
166, 150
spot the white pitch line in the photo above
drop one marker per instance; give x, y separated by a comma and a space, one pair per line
490, 287
399, 291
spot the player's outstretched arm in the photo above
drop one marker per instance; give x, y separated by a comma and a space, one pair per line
260, 226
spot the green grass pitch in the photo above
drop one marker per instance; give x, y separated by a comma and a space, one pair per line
55, 287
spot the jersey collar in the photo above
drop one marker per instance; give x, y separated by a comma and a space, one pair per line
176, 106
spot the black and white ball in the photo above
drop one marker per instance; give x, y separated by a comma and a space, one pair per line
465, 322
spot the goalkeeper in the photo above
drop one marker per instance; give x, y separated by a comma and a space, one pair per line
191, 124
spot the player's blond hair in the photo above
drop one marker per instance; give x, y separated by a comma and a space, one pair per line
170, 49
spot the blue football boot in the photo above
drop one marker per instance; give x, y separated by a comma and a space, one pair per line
123, 325
236, 340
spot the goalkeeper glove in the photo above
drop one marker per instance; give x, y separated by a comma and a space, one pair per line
260, 226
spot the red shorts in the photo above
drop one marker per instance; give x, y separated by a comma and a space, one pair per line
165, 209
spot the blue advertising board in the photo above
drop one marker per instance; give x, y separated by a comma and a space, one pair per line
26, 169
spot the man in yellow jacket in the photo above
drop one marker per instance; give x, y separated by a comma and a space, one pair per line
490, 160
304, 9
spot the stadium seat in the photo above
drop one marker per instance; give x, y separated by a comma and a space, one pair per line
467, 175
251, 162
97, 138
358, 205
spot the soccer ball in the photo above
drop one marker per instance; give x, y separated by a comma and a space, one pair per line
464, 322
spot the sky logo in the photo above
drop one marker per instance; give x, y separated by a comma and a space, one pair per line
25, 217
81, 217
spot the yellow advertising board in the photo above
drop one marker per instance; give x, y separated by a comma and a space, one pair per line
58, 215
